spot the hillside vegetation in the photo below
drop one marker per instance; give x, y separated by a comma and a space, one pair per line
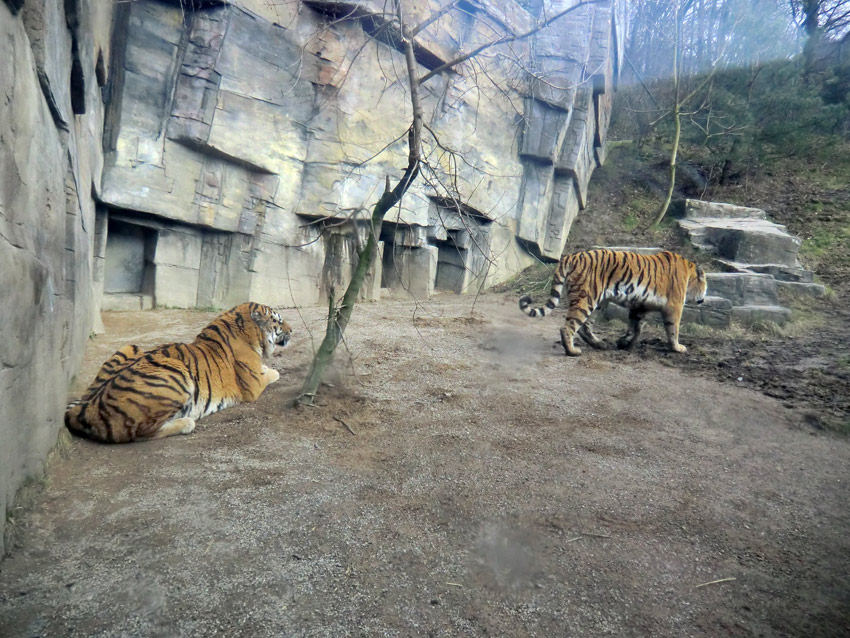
790, 156
788, 152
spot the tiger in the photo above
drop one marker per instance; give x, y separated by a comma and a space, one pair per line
150, 394
641, 283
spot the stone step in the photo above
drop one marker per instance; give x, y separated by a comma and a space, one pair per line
743, 289
780, 272
697, 208
640, 250
801, 288
750, 314
714, 311
743, 240
124, 301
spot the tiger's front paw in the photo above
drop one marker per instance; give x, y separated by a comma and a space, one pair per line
678, 347
625, 343
272, 374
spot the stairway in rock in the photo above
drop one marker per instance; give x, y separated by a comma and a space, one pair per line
758, 257
757, 260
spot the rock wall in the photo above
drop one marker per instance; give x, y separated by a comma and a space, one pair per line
54, 53
174, 153
252, 138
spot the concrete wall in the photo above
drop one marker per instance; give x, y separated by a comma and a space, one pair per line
51, 118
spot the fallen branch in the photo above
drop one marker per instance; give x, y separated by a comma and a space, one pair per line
347, 427
714, 582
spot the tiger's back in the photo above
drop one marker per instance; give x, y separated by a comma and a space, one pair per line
642, 283
164, 390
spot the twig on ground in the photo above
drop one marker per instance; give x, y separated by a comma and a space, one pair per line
347, 427
714, 582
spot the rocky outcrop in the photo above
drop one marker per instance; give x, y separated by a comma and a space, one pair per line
260, 135
759, 257
55, 55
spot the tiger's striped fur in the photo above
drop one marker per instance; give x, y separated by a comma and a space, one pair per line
641, 283
147, 394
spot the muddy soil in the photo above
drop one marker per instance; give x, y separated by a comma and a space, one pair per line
491, 486
809, 370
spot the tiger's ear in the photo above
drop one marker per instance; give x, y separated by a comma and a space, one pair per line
256, 316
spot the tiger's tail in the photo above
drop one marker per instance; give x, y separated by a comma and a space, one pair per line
560, 276
75, 419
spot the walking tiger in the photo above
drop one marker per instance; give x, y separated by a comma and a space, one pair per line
641, 283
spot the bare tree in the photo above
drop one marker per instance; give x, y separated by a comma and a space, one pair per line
818, 19
339, 316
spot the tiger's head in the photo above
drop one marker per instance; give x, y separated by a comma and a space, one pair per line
697, 284
260, 326
275, 331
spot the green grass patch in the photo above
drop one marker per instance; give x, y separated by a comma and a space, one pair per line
535, 280
824, 240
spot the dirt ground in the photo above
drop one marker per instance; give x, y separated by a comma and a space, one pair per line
492, 487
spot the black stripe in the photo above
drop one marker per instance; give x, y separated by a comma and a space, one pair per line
134, 390
209, 392
179, 377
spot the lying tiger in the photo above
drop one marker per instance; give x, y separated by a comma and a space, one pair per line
161, 392
640, 283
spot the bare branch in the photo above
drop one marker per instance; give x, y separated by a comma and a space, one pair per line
504, 39
432, 19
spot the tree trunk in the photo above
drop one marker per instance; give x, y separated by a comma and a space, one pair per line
677, 122
338, 317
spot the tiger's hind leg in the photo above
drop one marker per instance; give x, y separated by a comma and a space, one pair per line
578, 312
628, 340
183, 425
586, 333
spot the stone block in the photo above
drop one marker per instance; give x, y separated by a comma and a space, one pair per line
285, 275
178, 248
536, 203
795, 288
545, 128
640, 250
126, 302
698, 208
564, 209
781, 272
411, 272
750, 314
752, 241
175, 286
411, 236
743, 288
576, 157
